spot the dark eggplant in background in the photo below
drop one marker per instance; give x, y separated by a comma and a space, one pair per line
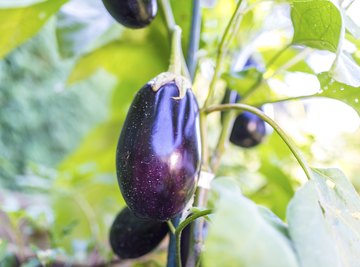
248, 129
132, 13
132, 237
158, 153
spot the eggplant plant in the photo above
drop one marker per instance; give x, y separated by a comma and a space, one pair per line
165, 156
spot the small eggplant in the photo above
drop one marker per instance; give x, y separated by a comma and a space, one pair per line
132, 13
248, 129
158, 153
132, 237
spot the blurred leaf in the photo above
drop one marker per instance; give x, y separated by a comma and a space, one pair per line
142, 62
317, 24
333, 89
3, 247
346, 70
19, 24
8, 260
352, 27
97, 150
82, 22
18, 3
324, 221
216, 20
240, 236
242, 81
182, 13
287, 56
273, 220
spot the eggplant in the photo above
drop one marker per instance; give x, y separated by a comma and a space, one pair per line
158, 154
132, 13
248, 129
132, 237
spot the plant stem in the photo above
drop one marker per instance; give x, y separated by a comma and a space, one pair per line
181, 227
170, 24
220, 147
299, 157
194, 38
201, 193
221, 53
171, 226
176, 52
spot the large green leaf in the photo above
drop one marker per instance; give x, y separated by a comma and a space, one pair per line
324, 221
240, 235
83, 24
19, 24
317, 24
333, 89
265, 94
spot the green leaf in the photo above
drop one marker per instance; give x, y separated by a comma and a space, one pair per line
19, 24
77, 30
317, 24
241, 236
324, 221
287, 55
242, 81
333, 89
3, 248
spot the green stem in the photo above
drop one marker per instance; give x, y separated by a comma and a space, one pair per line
171, 227
176, 52
220, 147
181, 227
168, 14
170, 24
299, 157
221, 53
224, 136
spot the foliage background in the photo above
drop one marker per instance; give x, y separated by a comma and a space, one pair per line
68, 73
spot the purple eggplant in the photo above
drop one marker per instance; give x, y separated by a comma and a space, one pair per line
132, 237
132, 13
248, 129
158, 153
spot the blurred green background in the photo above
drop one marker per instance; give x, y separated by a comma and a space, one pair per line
68, 74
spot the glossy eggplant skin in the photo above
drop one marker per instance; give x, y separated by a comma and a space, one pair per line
132, 237
132, 13
158, 154
248, 129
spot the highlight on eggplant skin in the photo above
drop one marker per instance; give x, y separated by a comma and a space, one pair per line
158, 154
132, 13
132, 237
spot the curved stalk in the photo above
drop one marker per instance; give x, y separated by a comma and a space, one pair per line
181, 227
221, 53
299, 157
